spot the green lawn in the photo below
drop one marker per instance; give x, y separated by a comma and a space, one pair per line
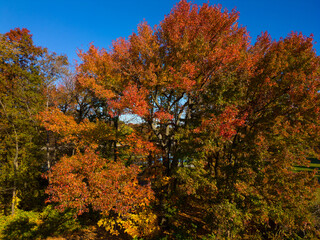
314, 164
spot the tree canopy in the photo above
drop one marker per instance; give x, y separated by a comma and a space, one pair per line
220, 126
26, 72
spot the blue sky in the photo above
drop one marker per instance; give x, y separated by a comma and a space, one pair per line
64, 26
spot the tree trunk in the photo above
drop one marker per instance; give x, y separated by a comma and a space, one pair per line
15, 168
115, 148
15, 162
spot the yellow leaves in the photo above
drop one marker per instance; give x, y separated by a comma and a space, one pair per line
110, 225
165, 180
140, 222
143, 223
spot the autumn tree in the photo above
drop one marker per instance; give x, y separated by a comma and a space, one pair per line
25, 73
222, 123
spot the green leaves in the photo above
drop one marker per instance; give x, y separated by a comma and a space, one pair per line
23, 81
223, 122
221, 125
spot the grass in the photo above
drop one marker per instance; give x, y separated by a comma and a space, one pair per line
314, 165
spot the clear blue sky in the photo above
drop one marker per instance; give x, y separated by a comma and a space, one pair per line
64, 26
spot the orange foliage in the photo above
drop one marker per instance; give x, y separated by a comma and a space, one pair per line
86, 179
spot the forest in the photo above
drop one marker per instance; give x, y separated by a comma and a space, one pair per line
188, 129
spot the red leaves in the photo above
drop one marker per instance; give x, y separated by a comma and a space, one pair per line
225, 124
139, 146
163, 116
18, 35
24, 40
229, 122
86, 179
254, 111
133, 101
183, 78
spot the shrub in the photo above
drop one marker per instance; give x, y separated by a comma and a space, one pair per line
22, 225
